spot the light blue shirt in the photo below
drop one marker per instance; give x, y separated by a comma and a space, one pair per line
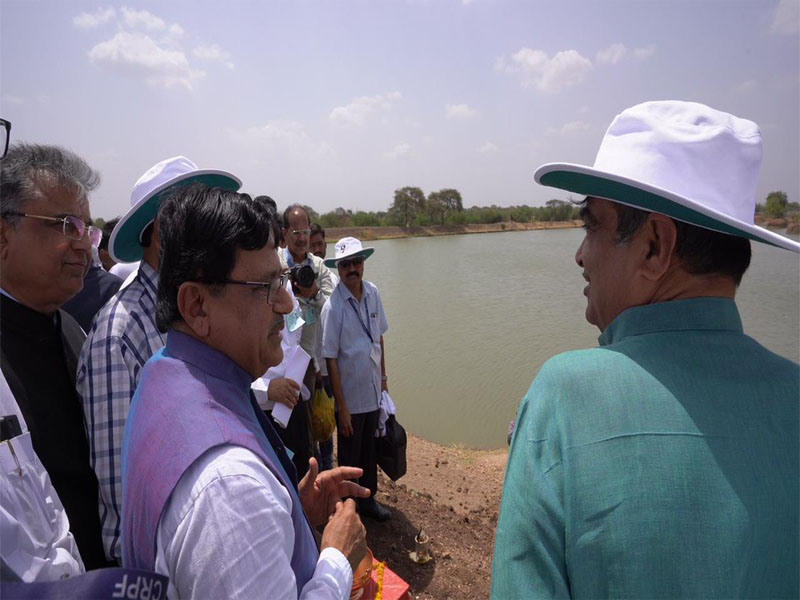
345, 323
662, 464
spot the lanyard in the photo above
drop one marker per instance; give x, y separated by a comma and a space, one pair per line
358, 314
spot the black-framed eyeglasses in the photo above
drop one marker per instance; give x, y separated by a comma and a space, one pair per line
301, 232
71, 226
6, 133
272, 288
346, 262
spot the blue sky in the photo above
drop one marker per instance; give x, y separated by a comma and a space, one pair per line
333, 103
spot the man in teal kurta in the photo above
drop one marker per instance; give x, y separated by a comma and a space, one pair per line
663, 463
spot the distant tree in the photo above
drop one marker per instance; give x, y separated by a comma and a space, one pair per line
99, 222
408, 202
556, 210
775, 205
336, 218
313, 217
522, 214
365, 219
435, 208
443, 203
422, 220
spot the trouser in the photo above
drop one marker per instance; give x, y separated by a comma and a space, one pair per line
326, 454
297, 435
358, 450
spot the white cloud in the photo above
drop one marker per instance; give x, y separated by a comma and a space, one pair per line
487, 148
137, 55
644, 52
215, 54
573, 127
283, 137
459, 111
786, 18
618, 52
175, 30
134, 18
536, 69
612, 55
91, 20
398, 151
357, 112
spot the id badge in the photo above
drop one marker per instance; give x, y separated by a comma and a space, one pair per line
293, 320
309, 316
375, 355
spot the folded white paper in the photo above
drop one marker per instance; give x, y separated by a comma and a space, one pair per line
296, 366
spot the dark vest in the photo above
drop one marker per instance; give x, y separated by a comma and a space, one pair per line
191, 398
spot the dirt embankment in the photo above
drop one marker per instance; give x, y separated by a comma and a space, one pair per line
454, 495
387, 233
791, 224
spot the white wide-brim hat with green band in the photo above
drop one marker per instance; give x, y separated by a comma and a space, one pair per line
681, 159
348, 247
125, 244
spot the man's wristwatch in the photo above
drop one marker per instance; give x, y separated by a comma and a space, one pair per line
384, 378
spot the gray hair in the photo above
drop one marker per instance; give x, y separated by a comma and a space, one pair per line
702, 251
25, 163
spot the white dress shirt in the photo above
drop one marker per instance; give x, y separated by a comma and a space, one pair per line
226, 532
35, 541
289, 341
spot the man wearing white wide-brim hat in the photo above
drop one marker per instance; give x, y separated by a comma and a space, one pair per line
353, 324
663, 463
124, 334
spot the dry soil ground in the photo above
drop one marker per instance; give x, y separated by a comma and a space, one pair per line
454, 495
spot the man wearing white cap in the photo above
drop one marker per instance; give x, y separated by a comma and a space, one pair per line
124, 335
665, 462
353, 324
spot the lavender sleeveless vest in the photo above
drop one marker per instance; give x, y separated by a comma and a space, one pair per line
191, 398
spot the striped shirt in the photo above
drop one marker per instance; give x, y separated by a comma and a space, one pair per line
123, 337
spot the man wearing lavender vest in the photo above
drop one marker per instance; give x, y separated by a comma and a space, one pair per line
210, 496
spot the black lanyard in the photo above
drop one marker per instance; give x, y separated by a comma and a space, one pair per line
358, 314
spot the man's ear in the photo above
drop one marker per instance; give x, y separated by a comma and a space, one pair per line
659, 237
191, 305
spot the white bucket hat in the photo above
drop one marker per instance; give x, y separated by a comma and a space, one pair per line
681, 159
348, 247
125, 244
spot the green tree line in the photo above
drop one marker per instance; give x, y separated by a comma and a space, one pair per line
777, 206
412, 208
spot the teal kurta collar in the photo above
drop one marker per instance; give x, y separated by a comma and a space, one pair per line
678, 315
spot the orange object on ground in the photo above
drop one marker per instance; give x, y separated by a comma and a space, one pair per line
392, 586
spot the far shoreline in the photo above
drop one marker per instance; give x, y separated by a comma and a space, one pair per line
390, 233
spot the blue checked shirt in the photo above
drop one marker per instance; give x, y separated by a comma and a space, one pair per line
123, 337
